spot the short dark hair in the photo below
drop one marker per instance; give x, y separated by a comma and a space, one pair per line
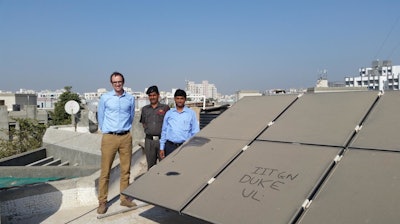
180, 92
117, 74
152, 89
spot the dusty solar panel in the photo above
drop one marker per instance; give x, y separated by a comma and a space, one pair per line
322, 119
181, 175
268, 183
364, 188
247, 118
381, 128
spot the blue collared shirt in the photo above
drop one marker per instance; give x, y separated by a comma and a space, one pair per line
115, 113
178, 126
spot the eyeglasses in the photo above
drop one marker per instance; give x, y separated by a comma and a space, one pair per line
117, 82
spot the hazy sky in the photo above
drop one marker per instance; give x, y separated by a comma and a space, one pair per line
235, 44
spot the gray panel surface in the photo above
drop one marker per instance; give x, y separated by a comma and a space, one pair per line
364, 188
267, 183
183, 173
322, 119
247, 118
381, 129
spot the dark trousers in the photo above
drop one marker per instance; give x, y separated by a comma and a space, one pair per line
170, 147
151, 148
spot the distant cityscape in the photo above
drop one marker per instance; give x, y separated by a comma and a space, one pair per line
382, 75
197, 92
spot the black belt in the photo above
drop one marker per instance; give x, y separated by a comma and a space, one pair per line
173, 143
153, 137
118, 133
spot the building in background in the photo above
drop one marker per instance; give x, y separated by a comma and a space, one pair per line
206, 89
17, 101
94, 95
47, 98
380, 76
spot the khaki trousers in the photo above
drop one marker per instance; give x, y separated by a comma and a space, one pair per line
110, 145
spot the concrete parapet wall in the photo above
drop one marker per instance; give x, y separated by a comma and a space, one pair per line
83, 142
3, 122
75, 157
24, 158
61, 172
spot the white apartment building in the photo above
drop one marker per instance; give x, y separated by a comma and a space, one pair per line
203, 89
46, 99
94, 95
380, 76
90, 96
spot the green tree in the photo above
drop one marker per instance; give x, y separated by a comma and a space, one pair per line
59, 116
28, 136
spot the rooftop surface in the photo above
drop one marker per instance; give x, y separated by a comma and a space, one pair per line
145, 213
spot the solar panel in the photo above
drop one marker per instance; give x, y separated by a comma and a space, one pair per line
182, 174
268, 183
247, 118
364, 188
380, 129
322, 119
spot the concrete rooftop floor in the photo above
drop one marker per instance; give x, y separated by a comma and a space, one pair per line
145, 213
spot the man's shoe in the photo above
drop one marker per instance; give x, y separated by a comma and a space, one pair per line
102, 208
128, 203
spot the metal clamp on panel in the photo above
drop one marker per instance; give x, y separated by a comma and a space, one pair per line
245, 148
211, 180
358, 128
337, 158
306, 204
270, 124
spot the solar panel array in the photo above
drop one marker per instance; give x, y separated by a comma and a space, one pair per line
312, 158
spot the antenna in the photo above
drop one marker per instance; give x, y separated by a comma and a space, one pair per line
72, 107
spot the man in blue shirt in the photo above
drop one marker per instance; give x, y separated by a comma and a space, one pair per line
116, 111
180, 124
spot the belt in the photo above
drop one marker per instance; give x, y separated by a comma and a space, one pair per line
153, 137
173, 143
117, 133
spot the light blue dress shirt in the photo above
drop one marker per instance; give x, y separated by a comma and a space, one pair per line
115, 113
178, 126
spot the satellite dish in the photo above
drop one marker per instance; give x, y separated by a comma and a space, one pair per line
71, 107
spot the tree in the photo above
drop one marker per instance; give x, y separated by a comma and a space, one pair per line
59, 116
28, 136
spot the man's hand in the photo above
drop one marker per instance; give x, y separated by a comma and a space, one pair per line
162, 154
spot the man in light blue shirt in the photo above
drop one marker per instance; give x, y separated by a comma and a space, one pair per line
180, 124
116, 110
